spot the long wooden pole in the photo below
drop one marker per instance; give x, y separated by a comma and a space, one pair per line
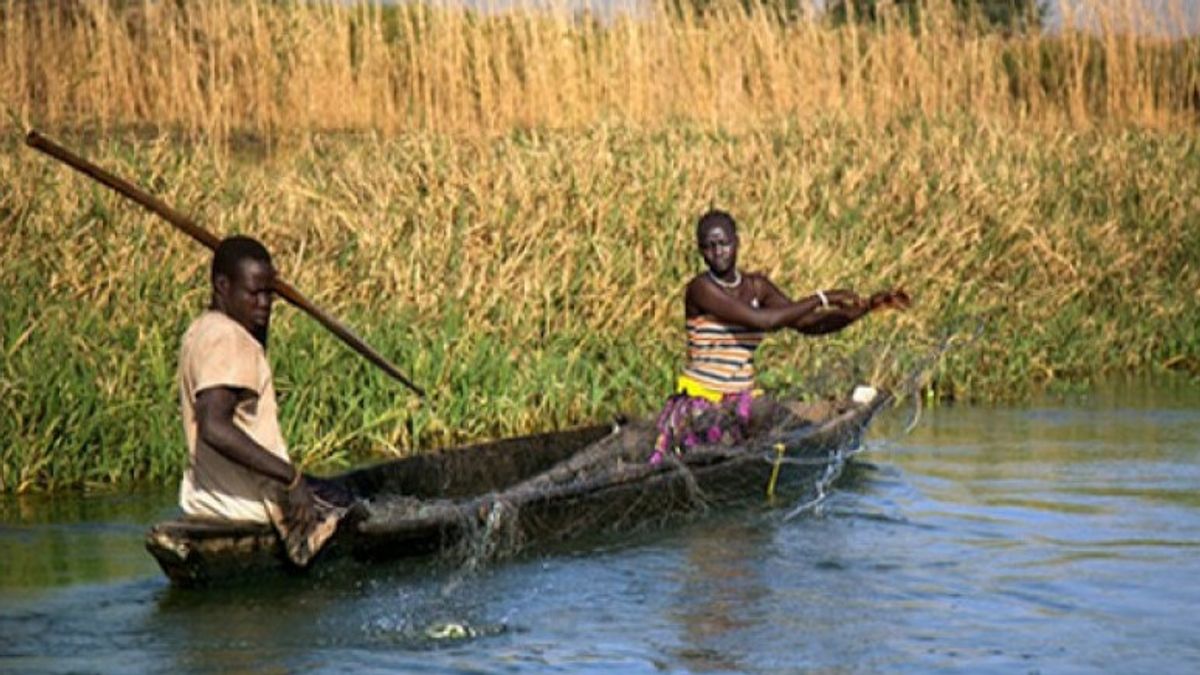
190, 228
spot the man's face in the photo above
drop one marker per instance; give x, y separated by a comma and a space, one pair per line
719, 246
247, 297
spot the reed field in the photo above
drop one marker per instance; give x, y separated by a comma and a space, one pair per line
278, 68
503, 204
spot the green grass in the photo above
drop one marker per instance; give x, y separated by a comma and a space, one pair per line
533, 280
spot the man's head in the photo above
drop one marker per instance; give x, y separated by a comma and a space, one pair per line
243, 281
716, 237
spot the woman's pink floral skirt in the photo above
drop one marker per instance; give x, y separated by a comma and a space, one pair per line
686, 422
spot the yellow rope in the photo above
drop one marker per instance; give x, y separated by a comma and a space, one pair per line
779, 450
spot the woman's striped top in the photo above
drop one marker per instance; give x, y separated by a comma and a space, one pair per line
721, 355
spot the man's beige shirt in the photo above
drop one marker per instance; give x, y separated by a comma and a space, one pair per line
218, 352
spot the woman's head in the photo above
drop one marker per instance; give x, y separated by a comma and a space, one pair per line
716, 237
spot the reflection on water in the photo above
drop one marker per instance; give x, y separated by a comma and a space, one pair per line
1062, 536
717, 589
47, 541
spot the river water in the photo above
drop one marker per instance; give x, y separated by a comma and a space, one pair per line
1059, 537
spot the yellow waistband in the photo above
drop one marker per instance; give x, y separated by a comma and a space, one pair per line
691, 387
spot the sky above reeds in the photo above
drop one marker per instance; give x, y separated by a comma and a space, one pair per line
1166, 18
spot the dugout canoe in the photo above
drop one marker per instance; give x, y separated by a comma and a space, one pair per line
490, 499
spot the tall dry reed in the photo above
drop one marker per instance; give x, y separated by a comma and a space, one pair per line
274, 69
506, 208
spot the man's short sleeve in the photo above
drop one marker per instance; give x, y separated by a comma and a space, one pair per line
223, 356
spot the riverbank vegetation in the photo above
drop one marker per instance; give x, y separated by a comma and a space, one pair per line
276, 69
514, 231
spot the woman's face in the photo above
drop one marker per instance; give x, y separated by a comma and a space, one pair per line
719, 246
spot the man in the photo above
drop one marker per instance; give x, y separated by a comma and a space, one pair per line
238, 464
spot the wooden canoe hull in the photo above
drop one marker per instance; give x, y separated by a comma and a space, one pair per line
197, 551
501, 496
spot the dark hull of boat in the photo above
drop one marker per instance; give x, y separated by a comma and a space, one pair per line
498, 497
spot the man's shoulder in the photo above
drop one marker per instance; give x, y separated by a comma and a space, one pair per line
215, 327
218, 351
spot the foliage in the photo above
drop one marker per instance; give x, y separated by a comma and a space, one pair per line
501, 202
279, 71
531, 281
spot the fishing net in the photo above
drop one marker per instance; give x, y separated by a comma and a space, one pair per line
492, 501
477, 504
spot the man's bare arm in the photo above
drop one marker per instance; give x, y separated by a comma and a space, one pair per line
214, 416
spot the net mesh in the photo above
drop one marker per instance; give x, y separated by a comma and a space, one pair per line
604, 484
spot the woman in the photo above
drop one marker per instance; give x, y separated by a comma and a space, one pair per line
728, 313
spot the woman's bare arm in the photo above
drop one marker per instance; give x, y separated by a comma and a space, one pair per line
705, 297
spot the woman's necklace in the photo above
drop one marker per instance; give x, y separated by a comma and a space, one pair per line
737, 279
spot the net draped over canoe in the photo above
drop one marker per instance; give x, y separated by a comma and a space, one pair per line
607, 484
477, 503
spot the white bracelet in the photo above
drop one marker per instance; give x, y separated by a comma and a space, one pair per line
824, 300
